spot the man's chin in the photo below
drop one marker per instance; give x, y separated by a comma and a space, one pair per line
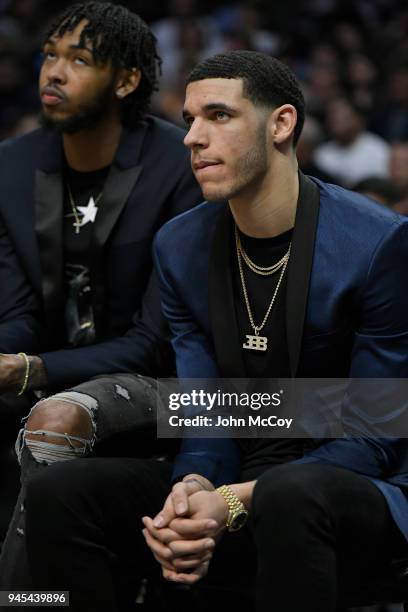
69, 125
53, 123
214, 194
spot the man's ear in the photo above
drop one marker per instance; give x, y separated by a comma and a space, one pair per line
127, 82
283, 123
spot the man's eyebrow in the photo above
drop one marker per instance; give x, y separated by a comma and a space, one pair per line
53, 42
212, 106
82, 48
220, 106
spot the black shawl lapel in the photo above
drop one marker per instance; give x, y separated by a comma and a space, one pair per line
300, 266
116, 192
221, 298
48, 201
122, 178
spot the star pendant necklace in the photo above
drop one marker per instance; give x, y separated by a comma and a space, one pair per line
88, 212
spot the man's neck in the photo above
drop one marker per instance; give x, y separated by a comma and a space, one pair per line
271, 209
92, 149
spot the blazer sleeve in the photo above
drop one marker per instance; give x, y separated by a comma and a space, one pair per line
144, 348
216, 459
19, 308
372, 422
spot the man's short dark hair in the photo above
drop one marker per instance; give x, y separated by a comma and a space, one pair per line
267, 81
118, 35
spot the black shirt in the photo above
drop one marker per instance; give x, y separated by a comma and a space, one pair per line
261, 453
260, 289
79, 217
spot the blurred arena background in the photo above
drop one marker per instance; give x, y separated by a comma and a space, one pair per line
350, 55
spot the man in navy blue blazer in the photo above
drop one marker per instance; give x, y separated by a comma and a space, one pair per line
291, 278
343, 313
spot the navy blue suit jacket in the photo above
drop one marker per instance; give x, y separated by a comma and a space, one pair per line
149, 182
347, 315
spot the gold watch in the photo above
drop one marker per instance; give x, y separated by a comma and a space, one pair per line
237, 516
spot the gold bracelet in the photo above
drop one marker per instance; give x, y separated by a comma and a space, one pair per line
26, 375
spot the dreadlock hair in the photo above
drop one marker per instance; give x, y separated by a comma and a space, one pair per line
118, 35
267, 81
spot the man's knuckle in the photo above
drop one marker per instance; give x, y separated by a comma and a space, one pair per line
165, 553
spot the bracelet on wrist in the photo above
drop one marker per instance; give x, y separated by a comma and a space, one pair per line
26, 373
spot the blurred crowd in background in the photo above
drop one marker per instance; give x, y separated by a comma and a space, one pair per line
351, 57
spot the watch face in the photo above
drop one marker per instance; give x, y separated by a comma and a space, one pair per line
239, 520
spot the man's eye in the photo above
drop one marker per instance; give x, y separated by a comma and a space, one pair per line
221, 115
189, 122
48, 55
81, 61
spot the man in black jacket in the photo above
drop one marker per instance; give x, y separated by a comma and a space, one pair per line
81, 200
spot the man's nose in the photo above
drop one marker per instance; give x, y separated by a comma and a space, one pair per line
57, 72
197, 135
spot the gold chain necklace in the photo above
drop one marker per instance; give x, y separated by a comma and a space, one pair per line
262, 271
77, 223
257, 342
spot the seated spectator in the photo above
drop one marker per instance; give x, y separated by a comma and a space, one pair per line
323, 82
81, 200
333, 302
378, 189
310, 138
391, 118
399, 174
352, 154
182, 34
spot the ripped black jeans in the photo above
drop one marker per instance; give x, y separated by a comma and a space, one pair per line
123, 409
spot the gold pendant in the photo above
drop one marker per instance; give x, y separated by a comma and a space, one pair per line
255, 343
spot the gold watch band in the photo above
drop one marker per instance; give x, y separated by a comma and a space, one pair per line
237, 514
232, 500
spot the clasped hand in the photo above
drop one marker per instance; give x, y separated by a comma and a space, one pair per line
182, 537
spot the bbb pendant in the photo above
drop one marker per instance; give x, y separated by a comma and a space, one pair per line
255, 343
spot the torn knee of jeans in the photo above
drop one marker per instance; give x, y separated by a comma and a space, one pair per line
48, 452
84, 401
